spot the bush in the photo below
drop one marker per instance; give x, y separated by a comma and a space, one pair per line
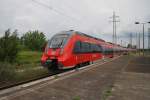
9, 46
7, 72
34, 40
29, 57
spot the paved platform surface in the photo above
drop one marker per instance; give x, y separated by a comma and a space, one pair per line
111, 81
139, 65
134, 81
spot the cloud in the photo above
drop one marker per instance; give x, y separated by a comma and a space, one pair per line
88, 16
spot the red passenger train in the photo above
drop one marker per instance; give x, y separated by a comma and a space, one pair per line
70, 49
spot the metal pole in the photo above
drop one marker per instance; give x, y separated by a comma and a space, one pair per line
131, 40
113, 27
136, 43
139, 44
121, 43
143, 39
149, 38
114, 20
115, 30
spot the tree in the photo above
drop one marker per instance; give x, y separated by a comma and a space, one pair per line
129, 46
9, 46
34, 40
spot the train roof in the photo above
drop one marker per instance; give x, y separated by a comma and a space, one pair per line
83, 34
71, 32
89, 36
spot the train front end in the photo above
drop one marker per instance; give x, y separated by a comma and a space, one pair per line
53, 55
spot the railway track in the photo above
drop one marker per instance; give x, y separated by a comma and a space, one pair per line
13, 84
52, 76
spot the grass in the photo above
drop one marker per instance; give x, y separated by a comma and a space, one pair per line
28, 60
140, 53
31, 74
56, 76
27, 67
107, 93
7, 72
77, 98
29, 57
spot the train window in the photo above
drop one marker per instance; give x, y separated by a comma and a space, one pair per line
77, 47
103, 49
90, 48
83, 47
106, 50
58, 41
99, 49
86, 47
112, 51
96, 48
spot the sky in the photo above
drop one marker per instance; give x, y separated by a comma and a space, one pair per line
88, 16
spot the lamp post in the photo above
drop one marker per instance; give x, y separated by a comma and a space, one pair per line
143, 32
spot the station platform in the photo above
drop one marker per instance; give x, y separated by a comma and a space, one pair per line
119, 79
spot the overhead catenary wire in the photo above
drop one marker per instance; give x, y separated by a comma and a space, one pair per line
55, 10
69, 19
79, 21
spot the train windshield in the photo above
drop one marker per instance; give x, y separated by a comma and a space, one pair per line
58, 41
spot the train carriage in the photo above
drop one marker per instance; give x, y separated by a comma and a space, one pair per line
70, 49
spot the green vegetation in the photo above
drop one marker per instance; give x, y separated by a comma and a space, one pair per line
34, 40
28, 57
31, 73
56, 76
77, 98
20, 57
9, 46
27, 67
7, 72
136, 53
107, 93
